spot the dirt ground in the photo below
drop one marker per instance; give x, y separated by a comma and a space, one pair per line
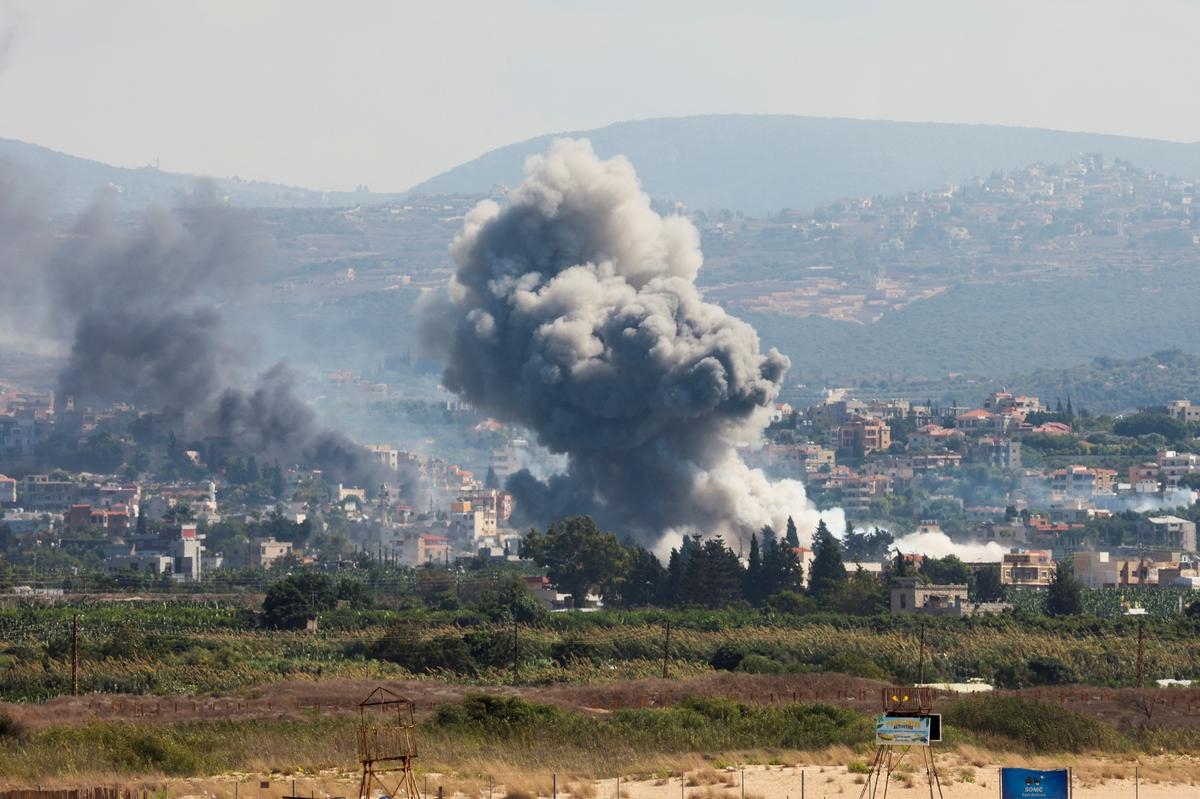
814, 778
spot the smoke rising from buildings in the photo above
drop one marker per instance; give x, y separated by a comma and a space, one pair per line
574, 312
140, 308
940, 545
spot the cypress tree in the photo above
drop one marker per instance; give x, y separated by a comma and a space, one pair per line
793, 537
828, 571
752, 589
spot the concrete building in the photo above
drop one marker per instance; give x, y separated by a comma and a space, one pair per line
1032, 568
262, 552
8, 491
78, 518
424, 548
1184, 410
1082, 481
388, 456
39, 492
1170, 532
1102, 570
858, 492
177, 552
1174, 465
1001, 401
910, 595
472, 523
864, 435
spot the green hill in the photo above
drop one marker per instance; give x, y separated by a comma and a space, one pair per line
1109, 385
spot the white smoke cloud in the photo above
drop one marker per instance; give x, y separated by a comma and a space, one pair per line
940, 545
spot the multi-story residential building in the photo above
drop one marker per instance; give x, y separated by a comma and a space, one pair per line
1148, 568
1083, 481
178, 552
1184, 410
999, 451
262, 552
863, 434
1174, 465
1031, 568
930, 461
472, 523
39, 492
1102, 570
115, 520
388, 456
1171, 532
1001, 401
498, 502
426, 548
932, 436
1143, 478
857, 493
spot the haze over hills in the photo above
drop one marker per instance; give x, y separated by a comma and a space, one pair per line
754, 164
71, 183
762, 164
1035, 268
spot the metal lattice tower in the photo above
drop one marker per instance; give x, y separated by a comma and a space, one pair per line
902, 701
387, 746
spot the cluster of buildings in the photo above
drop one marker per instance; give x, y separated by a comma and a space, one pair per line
1075, 216
845, 451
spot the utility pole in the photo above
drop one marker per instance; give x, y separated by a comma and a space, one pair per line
921, 658
1141, 662
75, 655
516, 652
666, 650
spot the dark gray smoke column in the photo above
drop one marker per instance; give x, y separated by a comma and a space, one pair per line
574, 312
140, 309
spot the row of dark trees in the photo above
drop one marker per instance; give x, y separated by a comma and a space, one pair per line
580, 559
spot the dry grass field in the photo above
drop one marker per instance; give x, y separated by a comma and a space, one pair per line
300, 733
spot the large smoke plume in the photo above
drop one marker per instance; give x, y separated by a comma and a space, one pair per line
574, 312
139, 305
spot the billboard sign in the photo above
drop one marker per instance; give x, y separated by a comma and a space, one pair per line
902, 730
1024, 783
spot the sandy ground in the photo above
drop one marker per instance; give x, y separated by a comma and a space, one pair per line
960, 778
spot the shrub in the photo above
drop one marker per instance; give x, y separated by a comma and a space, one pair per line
12, 729
1033, 725
727, 657
760, 664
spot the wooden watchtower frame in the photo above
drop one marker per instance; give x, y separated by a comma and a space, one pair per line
902, 701
387, 746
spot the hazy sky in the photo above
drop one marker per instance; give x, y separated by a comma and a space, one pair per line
387, 93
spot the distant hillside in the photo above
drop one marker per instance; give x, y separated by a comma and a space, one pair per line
1000, 329
1109, 385
72, 183
761, 164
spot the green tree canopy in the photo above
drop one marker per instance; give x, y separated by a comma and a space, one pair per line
1065, 595
577, 555
645, 582
828, 571
292, 601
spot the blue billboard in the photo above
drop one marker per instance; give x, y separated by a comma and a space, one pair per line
1024, 783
